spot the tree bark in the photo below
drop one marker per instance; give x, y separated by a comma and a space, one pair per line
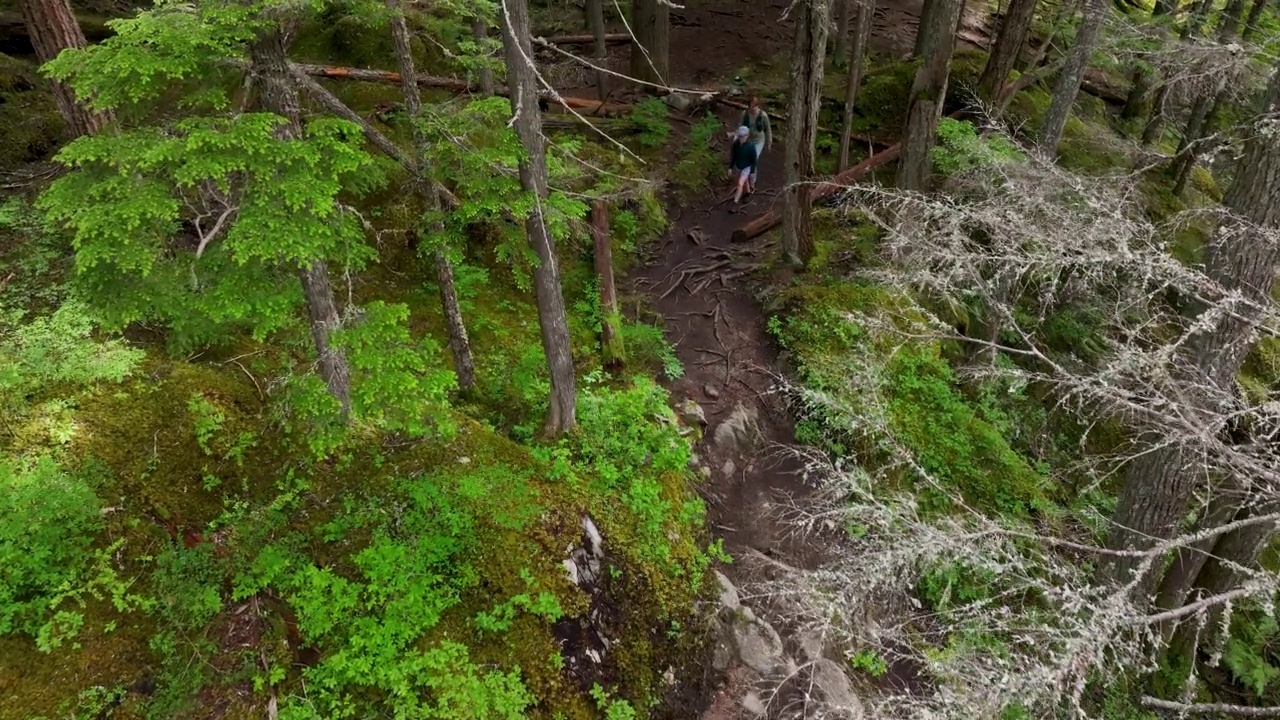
1205, 109
1141, 83
928, 93
651, 25
1009, 41
480, 31
1068, 85
52, 27
1241, 259
863, 14
840, 43
613, 352
464, 366
1251, 23
267, 58
808, 58
459, 343
595, 19
552, 320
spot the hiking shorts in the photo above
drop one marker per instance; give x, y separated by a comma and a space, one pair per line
745, 172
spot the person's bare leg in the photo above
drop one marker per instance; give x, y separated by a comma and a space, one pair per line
743, 178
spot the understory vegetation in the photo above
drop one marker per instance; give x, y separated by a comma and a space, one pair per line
318, 400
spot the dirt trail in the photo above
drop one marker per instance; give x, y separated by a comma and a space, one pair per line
702, 285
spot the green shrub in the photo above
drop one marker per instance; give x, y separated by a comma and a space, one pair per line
959, 148
650, 120
48, 520
701, 161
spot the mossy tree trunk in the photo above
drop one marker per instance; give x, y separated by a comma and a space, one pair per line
928, 92
612, 349
863, 14
552, 319
459, 343
52, 28
278, 95
1240, 259
600, 49
651, 26
1009, 41
1068, 84
808, 58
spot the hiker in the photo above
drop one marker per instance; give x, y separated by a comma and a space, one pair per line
757, 122
742, 163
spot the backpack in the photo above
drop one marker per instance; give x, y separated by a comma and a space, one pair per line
759, 124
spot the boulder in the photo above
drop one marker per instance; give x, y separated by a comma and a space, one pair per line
691, 413
836, 690
758, 645
737, 433
728, 593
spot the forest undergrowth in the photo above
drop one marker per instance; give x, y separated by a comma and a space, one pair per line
252, 464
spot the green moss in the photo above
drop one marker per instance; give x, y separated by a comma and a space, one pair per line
32, 126
923, 405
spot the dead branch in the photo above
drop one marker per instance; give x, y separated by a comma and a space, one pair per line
1209, 708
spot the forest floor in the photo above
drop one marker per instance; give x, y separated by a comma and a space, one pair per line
707, 289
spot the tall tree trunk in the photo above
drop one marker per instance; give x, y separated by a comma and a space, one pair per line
464, 366
863, 14
1142, 81
267, 58
1200, 121
808, 58
322, 314
1032, 54
480, 31
554, 323
613, 352
651, 26
840, 43
1243, 260
1068, 85
928, 93
1225, 501
1009, 41
926, 38
459, 343
52, 27
1209, 565
595, 20
1154, 128
1251, 23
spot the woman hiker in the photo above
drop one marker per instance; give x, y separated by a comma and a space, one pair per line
757, 123
742, 163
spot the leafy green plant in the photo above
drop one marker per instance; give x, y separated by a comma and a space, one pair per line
650, 120
48, 520
869, 662
700, 161
959, 148
614, 709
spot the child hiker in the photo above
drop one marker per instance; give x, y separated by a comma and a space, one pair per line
742, 163
757, 123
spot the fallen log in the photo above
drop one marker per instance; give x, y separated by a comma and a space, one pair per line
584, 105
1096, 82
771, 219
587, 39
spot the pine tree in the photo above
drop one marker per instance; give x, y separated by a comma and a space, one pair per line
808, 57
554, 323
